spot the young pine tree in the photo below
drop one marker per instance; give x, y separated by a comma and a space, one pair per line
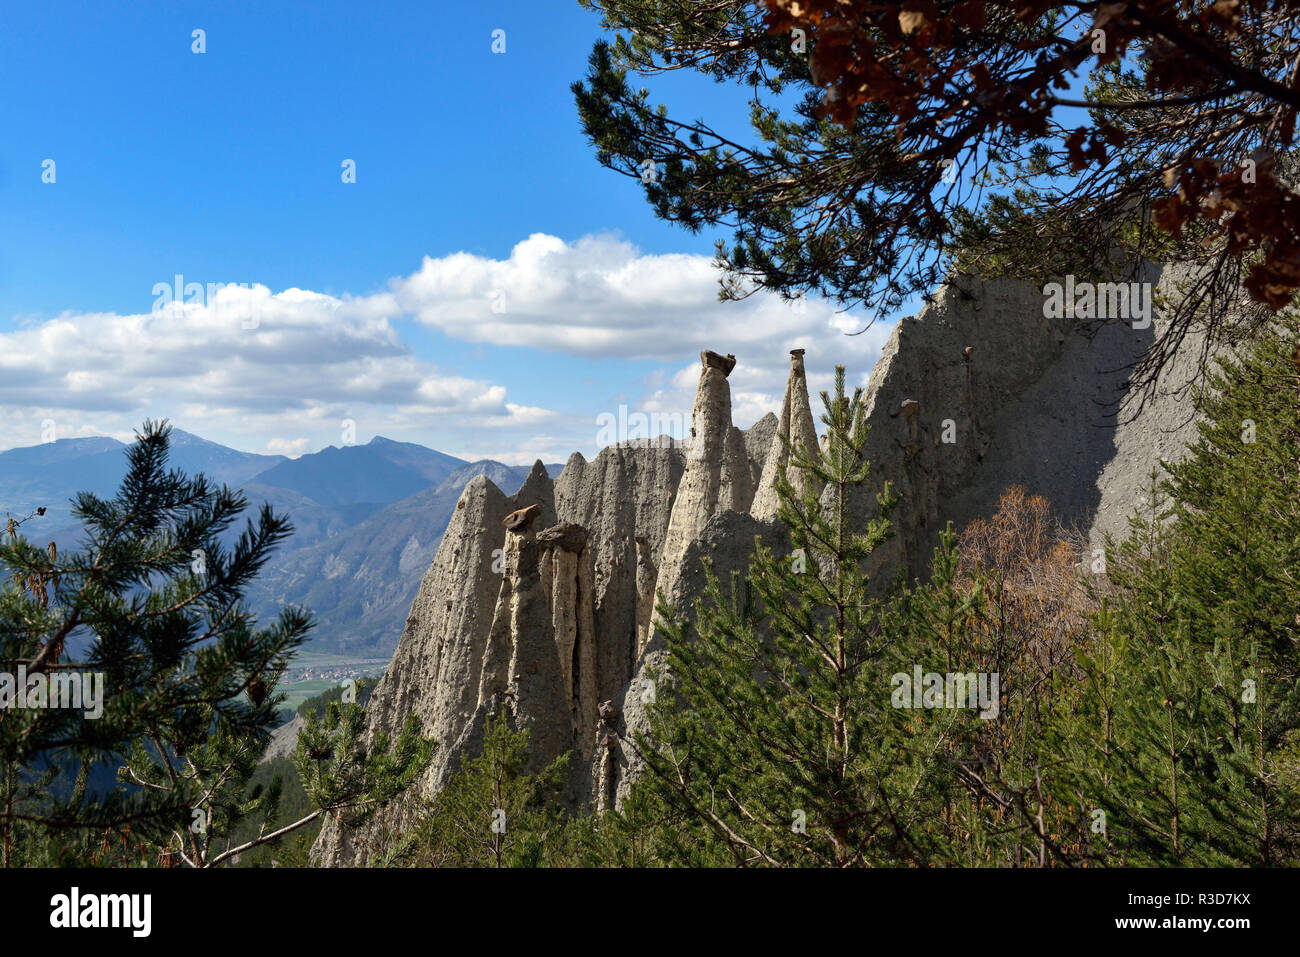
1188, 742
774, 738
494, 812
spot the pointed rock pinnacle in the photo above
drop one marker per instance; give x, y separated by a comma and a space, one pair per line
796, 426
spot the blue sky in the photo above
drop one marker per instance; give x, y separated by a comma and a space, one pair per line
225, 167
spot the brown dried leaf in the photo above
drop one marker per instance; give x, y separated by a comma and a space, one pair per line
911, 20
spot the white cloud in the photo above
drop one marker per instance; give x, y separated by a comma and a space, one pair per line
290, 447
251, 367
247, 359
600, 297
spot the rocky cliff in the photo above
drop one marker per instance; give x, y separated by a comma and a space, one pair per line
542, 603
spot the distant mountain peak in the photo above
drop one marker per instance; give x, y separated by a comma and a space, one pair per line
379, 472
181, 437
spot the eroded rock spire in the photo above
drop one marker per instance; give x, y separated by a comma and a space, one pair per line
521, 663
796, 425
566, 575
717, 475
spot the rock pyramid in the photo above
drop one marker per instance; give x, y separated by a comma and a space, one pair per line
542, 604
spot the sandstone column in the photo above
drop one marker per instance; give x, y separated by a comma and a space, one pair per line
797, 427
712, 469
521, 665
566, 566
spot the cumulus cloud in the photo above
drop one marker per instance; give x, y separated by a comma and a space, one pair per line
600, 297
285, 369
243, 356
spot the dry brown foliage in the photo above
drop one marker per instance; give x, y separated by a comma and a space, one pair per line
1036, 615
1222, 84
1036, 598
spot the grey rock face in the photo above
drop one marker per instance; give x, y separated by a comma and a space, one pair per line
284, 739
435, 671
623, 498
758, 441
553, 619
566, 576
522, 670
1034, 402
539, 490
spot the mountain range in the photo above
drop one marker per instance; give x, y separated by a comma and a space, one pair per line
367, 519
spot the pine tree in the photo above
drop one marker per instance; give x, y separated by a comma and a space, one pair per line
776, 736
1187, 741
350, 777
153, 604
642, 831
493, 812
